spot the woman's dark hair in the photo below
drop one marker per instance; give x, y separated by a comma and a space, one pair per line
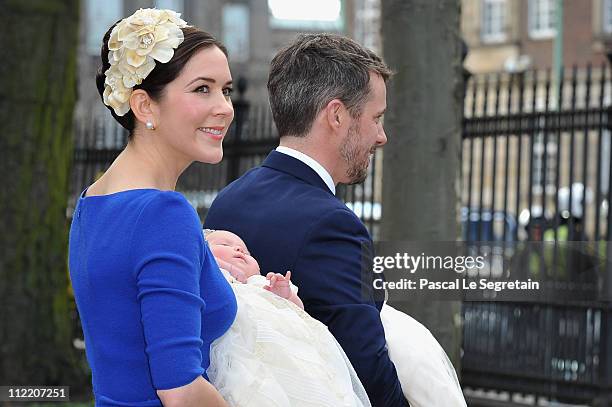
162, 74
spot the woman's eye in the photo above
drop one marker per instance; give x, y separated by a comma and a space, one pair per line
228, 91
202, 89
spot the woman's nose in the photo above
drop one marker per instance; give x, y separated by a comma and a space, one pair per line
224, 107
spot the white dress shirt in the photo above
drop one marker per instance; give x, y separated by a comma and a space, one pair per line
312, 163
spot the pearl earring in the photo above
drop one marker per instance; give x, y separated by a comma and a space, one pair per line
149, 126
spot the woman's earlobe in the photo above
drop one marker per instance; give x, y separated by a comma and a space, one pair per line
140, 103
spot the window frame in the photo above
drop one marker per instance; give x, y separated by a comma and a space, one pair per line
541, 33
606, 16
500, 35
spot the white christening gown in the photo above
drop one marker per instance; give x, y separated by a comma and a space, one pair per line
276, 355
427, 376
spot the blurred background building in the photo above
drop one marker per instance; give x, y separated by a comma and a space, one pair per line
252, 30
516, 35
501, 35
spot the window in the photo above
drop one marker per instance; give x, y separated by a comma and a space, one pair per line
100, 16
493, 20
607, 16
542, 18
236, 31
175, 5
323, 15
367, 24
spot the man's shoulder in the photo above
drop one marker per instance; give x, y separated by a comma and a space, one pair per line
279, 186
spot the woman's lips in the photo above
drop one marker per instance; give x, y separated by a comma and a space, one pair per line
216, 133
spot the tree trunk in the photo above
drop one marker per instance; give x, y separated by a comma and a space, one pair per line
422, 44
38, 44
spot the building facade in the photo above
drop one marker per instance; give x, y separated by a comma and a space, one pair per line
515, 35
252, 30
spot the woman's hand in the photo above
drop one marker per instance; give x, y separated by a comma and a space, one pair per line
198, 393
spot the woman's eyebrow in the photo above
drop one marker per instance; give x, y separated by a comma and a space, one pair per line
211, 80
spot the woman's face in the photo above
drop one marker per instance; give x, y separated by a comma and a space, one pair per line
195, 110
230, 248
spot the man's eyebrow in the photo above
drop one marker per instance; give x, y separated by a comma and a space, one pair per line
211, 80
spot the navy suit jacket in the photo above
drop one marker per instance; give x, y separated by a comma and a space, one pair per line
290, 220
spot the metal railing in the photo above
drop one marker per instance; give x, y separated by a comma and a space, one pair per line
535, 167
536, 177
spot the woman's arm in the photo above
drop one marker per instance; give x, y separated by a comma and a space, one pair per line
198, 393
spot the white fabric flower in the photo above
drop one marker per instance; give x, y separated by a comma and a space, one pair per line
135, 44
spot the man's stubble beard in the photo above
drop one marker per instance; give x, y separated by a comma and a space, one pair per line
356, 159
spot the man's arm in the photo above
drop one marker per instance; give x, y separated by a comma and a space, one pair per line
328, 271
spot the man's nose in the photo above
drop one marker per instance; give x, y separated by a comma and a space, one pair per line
381, 139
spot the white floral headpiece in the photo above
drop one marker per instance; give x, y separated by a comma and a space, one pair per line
135, 43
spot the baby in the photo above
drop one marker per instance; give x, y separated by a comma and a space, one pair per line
274, 352
427, 376
232, 255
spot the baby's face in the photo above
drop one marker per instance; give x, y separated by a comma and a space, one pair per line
230, 248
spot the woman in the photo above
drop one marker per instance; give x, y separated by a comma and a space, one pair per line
149, 293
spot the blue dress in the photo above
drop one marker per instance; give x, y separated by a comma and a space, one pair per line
149, 293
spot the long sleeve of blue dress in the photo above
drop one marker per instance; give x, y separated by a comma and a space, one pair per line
150, 296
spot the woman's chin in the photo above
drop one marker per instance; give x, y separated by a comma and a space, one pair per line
212, 158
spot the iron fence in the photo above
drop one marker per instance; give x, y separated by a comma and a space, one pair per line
252, 135
535, 167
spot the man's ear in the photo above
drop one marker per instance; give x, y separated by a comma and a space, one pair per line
142, 106
336, 114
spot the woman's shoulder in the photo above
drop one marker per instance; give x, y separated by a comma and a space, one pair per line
167, 222
170, 206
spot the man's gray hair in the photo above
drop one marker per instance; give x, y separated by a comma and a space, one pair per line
312, 71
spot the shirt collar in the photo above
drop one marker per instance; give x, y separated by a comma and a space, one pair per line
312, 163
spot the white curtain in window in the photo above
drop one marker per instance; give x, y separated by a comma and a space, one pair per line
236, 31
176, 5
493, 20
312, 14
100, 16
542, 18
607, 16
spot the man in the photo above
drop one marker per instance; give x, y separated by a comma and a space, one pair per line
327, 95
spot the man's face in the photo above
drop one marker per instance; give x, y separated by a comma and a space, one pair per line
365, 134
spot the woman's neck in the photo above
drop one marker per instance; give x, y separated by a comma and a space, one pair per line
139, 165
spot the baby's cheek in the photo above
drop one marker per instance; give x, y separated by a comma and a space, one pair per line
219, 253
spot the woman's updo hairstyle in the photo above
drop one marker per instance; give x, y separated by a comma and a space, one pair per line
163, 73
